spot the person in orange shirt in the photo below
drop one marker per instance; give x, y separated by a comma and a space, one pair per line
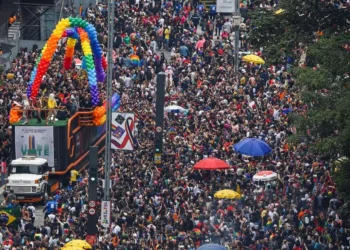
12, 19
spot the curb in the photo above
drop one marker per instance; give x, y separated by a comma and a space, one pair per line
2, 189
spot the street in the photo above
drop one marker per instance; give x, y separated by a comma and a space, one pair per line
39, 215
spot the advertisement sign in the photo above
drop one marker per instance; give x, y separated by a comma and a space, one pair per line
157, 158
105, 213
123, 131
36, 141
226, 6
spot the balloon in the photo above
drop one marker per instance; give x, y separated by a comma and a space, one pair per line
93, 61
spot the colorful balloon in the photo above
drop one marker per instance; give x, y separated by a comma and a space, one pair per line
93, 60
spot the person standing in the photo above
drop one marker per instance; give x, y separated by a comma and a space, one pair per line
160, 34
3, 170
52, 105
167, 37
38, 105
74, 176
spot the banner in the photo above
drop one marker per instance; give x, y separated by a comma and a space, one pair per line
38, 141
226, 6
9, 216
123, 125
106, 213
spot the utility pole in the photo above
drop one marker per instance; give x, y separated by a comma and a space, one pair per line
160, 95
107, 169
92, 194
236, 22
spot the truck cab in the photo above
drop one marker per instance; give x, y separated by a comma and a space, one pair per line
28, 179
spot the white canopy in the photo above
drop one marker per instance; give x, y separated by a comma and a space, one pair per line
174, 108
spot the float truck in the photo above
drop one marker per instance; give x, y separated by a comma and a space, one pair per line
43, 155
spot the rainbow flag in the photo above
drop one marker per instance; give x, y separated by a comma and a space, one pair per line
135, 60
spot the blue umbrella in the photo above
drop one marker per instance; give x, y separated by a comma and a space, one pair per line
212, 247
252, 147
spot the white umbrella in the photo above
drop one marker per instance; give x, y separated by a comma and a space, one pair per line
174, 109
265, 176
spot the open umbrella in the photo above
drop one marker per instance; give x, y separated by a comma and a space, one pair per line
211, 247
265, 176
227, 194
79, 244
211, 163
72, 248
252, 147
278, 12
174, 109
253, 59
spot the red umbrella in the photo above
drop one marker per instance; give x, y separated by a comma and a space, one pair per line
211, 164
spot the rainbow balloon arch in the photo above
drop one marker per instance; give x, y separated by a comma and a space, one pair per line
93, 61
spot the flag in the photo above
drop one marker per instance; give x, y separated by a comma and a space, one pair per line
238, 189
81, 9
9, 216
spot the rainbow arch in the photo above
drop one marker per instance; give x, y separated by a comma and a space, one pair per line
94, 61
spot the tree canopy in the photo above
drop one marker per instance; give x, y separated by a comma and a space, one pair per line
280, 33
322, 30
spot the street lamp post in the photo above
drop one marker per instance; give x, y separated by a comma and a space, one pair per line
107, 169
236, 23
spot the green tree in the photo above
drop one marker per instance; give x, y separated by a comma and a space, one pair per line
325, 88
280, 34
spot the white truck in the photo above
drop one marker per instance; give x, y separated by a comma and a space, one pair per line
29, 179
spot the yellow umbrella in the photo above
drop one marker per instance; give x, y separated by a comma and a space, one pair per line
79, 244
227, 194
253, 59
72, 248
280, 11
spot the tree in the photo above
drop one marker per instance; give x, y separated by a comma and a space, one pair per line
323, 31
280, 34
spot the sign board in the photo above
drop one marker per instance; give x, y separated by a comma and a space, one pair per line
92, 211
157, 158
226, 6
92, 203
38, 141
106, 213
123, 127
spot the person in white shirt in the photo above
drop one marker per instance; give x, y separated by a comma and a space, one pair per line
51, 217
116, 229
32, 209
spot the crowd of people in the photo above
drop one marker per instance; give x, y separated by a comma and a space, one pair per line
172, 206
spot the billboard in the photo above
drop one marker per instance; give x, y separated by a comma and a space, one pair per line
226, 6
38, 141
106, 214
122, 128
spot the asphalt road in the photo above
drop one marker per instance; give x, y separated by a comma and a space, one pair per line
39, 215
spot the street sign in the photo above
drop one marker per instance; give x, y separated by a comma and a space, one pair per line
226, 6
159, 129
106, 213
92, 203
157, 158
92, 211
